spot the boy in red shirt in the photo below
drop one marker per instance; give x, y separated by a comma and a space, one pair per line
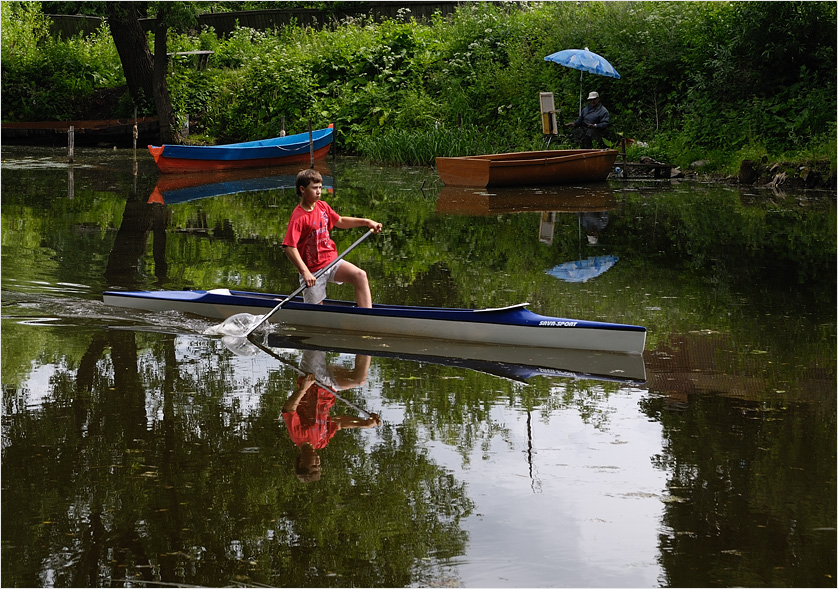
309, 247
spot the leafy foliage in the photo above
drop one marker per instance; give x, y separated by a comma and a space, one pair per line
697, 77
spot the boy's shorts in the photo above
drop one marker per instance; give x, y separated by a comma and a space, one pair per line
315, 294
314, 362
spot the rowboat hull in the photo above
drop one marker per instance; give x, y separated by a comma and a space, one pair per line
527, 168
293, 149
508, 326
520, 363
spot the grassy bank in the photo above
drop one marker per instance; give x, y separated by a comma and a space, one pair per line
699, 81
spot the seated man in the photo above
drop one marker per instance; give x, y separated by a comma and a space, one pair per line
593, 122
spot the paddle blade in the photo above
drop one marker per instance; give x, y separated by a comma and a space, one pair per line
238, 325
240, 346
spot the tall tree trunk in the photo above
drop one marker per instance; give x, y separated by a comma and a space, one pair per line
132, 46
146, 78
169, 129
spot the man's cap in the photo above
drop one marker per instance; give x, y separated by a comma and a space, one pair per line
593, 95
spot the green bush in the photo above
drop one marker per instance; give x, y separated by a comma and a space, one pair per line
699, 80
48, 79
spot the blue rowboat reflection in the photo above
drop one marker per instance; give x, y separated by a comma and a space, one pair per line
180, 188
506, 326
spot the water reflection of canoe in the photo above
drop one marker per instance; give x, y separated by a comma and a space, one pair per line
279, 151
178, 188
558, 166
459, 200
515, 363
507, 326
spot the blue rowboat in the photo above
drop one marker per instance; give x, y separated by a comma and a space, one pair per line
293, 149
507, 326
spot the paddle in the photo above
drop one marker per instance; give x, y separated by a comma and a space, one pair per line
318, 382
243, 324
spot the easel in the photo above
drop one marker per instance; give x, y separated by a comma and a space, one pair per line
548, 117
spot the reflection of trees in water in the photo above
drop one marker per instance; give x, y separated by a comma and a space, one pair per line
457, 409
148, 467
733, 465
139, 220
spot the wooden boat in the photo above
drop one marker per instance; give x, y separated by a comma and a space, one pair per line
179, 188
514, 363
293, 149
527, 168
508, 326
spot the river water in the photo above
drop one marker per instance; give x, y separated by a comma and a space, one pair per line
137, 451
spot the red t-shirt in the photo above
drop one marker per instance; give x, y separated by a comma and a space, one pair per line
308, 231
311, 421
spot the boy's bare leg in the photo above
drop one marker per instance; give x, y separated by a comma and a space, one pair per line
352, 274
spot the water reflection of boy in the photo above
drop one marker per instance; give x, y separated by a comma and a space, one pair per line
306, 412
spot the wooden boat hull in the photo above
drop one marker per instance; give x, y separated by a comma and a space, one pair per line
508, 326
514, 363
527, 168
279, 151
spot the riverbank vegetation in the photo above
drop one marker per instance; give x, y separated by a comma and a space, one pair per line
716, 82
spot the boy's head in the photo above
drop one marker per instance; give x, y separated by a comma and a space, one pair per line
306, 177
307, 467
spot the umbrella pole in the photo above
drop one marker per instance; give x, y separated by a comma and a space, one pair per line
581, 73
579, 241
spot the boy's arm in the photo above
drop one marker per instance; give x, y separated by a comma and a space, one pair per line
350, 222
349, 422
293, 254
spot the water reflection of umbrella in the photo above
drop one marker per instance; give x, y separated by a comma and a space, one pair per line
582, 270
584, 61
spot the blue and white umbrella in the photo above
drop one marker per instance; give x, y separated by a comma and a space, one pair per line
584, 61
582, 270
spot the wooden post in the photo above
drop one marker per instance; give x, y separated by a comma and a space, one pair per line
136, 132
71, 143
625, 160
311, 143
282, 128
